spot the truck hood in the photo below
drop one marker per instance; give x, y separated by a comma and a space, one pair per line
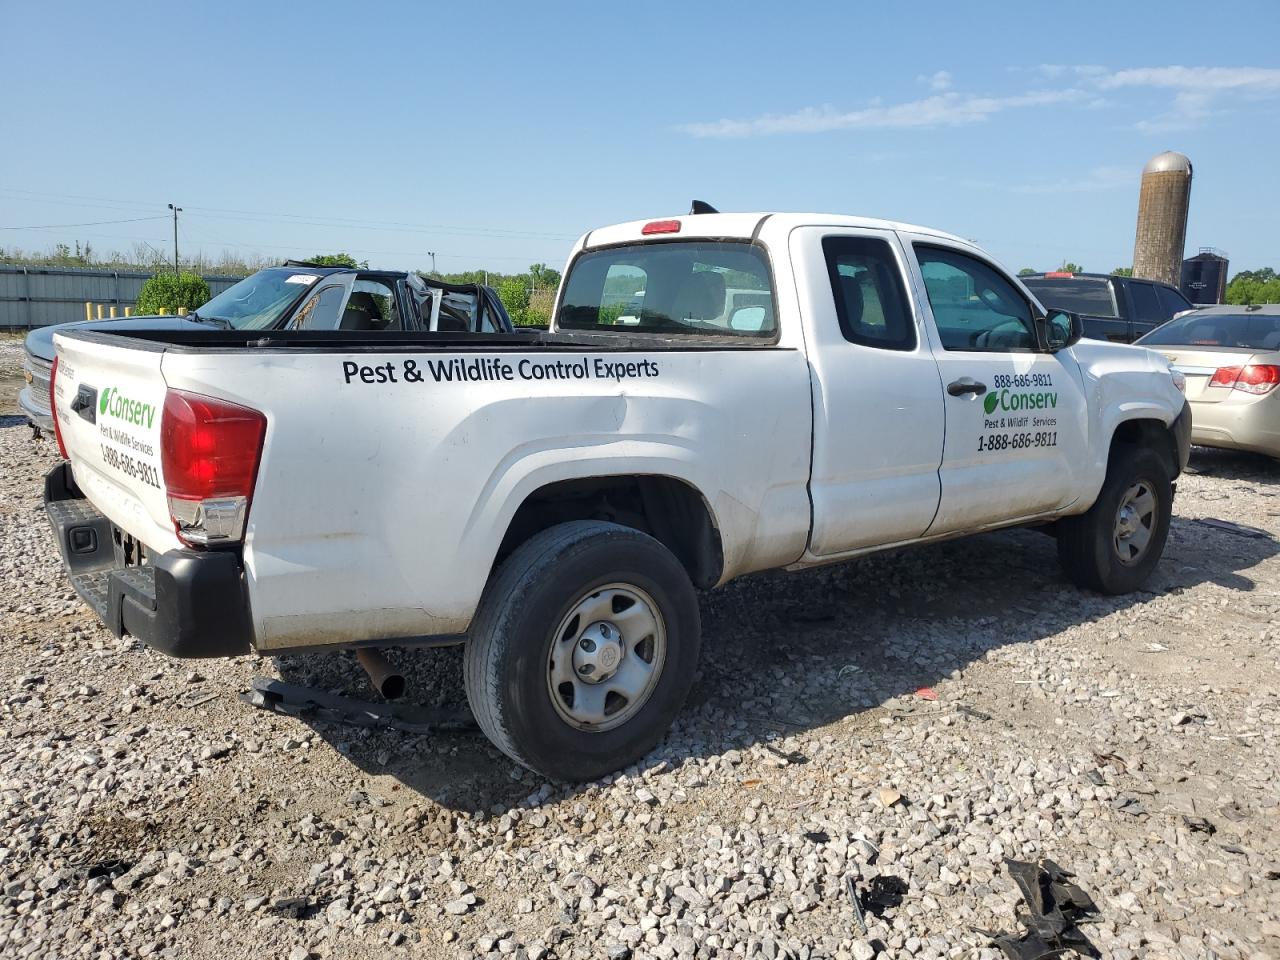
39, 342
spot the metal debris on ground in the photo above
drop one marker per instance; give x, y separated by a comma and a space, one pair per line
1056, 908
1199, 825
851, 886
293, 699
1238, 529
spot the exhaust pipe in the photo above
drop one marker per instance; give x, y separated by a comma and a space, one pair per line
386, 679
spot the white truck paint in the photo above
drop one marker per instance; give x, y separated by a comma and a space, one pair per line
391, 473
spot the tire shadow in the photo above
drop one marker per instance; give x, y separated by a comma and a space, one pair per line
787, 652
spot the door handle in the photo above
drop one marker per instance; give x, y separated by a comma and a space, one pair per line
958, 388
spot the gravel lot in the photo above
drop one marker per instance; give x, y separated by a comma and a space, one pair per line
147, 811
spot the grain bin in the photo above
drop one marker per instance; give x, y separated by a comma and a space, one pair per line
1163, 202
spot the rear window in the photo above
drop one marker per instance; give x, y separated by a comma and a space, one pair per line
1086, 295
1252, 330
705, 288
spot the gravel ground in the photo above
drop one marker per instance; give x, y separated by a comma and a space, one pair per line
147, 811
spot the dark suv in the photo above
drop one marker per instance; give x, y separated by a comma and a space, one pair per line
1112, 308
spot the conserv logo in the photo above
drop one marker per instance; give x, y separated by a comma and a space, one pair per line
111, 403
1007, 400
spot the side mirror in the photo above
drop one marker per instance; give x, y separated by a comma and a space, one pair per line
1060, 329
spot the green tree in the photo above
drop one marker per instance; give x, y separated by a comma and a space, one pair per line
514, 294
339, 260
1122, 272
1027, 271
1254, 286
1070, 267
169, 291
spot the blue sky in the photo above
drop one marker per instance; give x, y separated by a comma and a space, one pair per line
495, 134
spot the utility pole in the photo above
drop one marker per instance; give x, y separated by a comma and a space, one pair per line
176, 211
432, 255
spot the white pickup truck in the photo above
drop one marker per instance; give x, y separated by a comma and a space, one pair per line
786, 391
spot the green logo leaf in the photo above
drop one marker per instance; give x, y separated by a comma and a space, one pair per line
991, 402
104, 400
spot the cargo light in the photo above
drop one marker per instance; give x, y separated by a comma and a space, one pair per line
1255, 378
53, 408
209, 451
660, 226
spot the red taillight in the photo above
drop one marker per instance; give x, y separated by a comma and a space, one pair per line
209, 451
53, 408
660, 226
1257, 378
1060, 275
1224, 377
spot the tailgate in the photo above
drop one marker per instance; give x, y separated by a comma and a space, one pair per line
109, 397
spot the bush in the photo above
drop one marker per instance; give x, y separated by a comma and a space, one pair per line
169, 291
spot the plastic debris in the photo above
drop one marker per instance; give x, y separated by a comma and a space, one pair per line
293, 699
1055, 907
927, 693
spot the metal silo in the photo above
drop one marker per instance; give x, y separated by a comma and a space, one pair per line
1204, 276
1162, 218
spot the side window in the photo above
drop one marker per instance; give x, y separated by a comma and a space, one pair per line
1146, 306
974, 306
1171, 302
371, 306
320, 312
871, 301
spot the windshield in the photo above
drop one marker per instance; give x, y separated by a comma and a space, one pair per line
706, 287
1256, 331
257, 302
1086, 295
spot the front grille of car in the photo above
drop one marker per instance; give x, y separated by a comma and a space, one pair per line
39, 370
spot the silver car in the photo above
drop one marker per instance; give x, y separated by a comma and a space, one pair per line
1230, 357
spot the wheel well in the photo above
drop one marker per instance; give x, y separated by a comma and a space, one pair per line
1152, 434
667, 509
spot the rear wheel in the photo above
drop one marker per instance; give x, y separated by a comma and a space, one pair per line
583, 649
1115, 545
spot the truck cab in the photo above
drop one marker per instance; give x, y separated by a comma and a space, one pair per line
1115, 308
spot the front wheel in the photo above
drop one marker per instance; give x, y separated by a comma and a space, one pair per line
583, 649
1114, 547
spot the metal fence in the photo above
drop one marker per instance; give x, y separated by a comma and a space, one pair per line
39, 296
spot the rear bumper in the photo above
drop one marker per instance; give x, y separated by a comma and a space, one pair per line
185, 603
1253, 424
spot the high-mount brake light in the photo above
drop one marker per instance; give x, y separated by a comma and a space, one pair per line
1060, 275
660, 226
53, 408
209, 452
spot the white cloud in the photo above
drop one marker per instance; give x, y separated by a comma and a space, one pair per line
936, 81
1099, 178
1200, 79
1055, 70
1198, 89
942, 110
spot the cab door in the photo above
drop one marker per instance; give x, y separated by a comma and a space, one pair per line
1016, 417
877, 401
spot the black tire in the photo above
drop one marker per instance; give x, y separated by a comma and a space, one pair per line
1086, 544
509, 647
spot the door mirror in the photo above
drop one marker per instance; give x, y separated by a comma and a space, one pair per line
1059, 330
